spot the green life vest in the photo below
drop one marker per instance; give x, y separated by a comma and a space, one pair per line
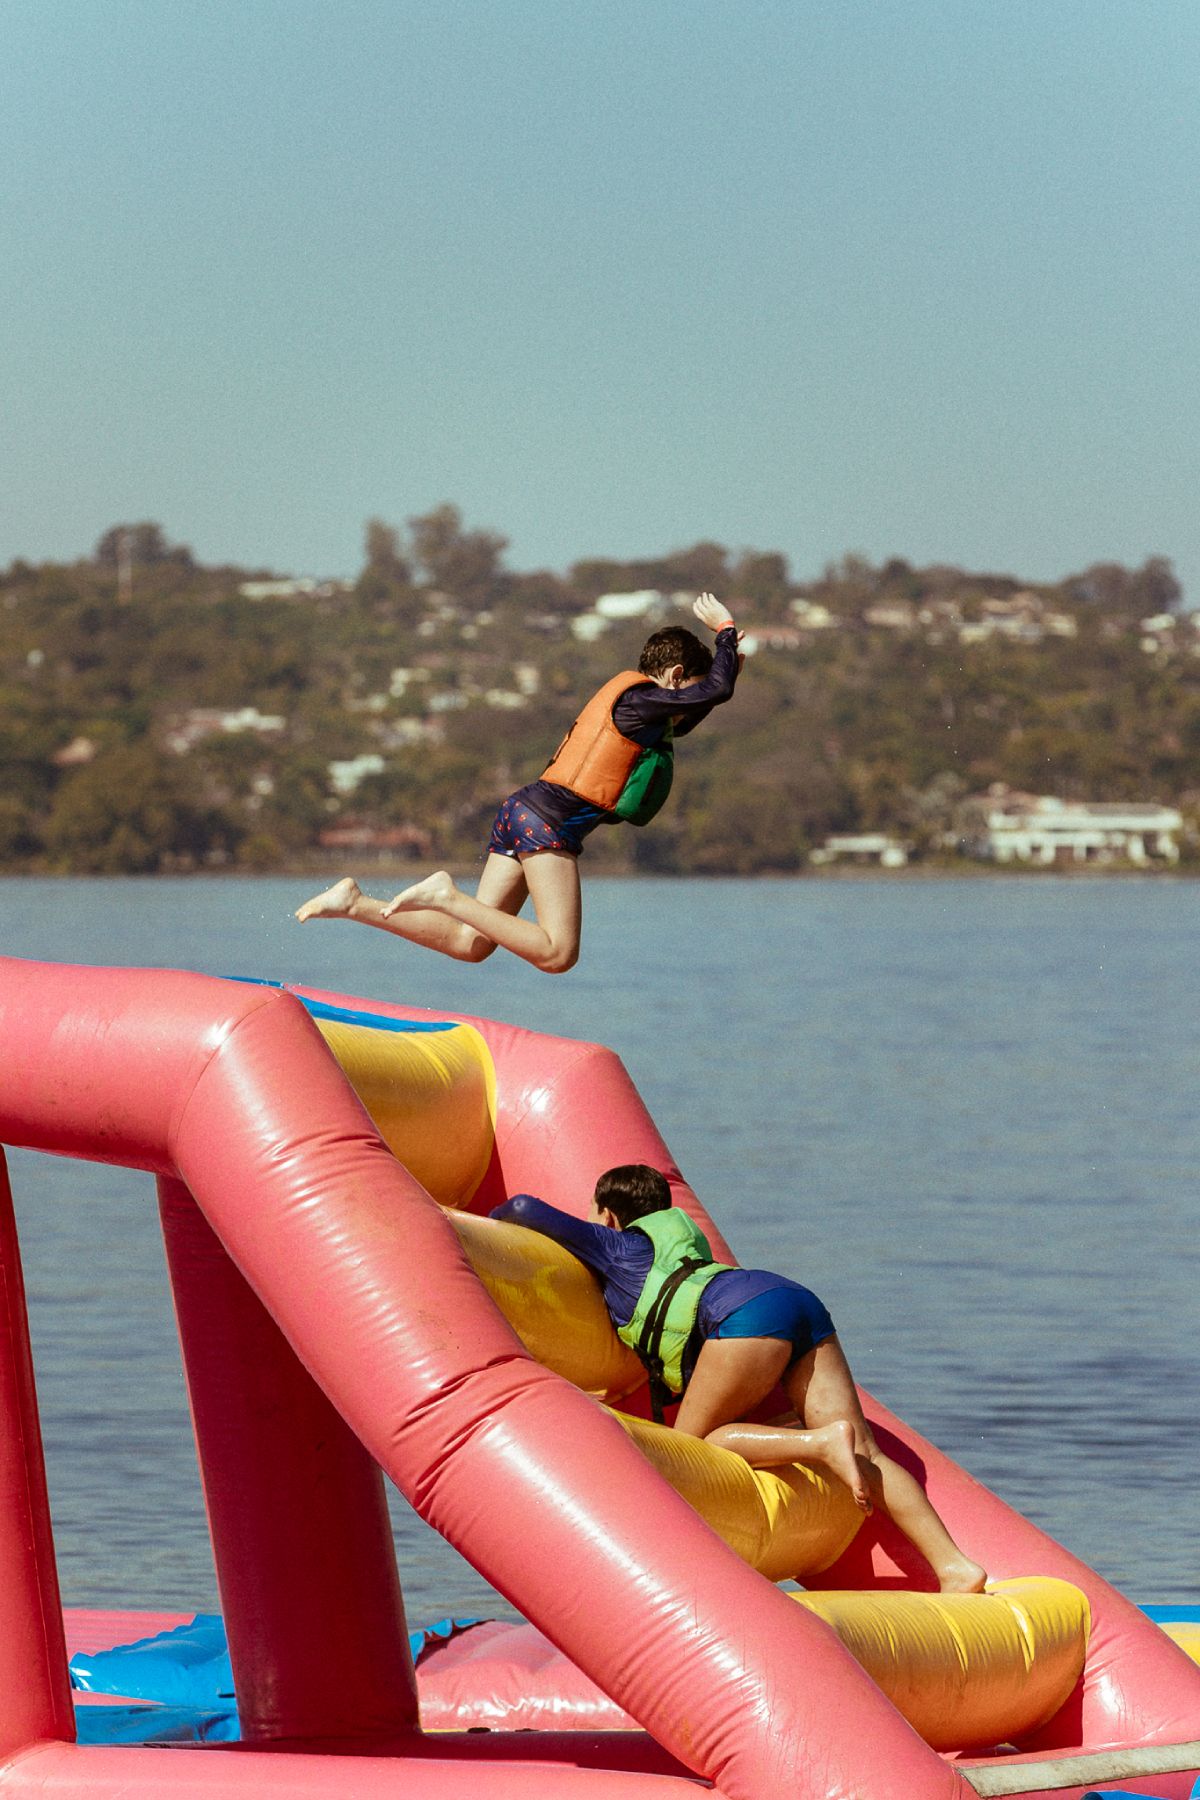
666, 1309
648, 782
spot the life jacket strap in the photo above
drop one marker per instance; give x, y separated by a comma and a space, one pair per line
649, 1344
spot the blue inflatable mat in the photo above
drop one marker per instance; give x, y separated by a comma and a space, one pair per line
1119, 1794
1168, 1612
1130, 1793
349, 1015
186, 1666
155, 1725
186, 1672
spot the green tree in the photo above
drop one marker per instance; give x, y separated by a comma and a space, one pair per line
704, 567
142, 545
19, 836
130, 812
465, 564
386, 578
382, 548
762, 578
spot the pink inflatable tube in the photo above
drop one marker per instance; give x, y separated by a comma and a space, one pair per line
565, 1112
229, 1090
317, 1283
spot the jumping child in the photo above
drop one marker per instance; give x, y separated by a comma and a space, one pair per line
614, 763
722, 1338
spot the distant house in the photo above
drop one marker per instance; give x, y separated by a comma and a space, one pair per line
79, 750
1003, 625
1018, 606
812, 616
401, 734
893, 615
771, 637
588, 626
201, 722
1043, 830
864, 848
384, 840
613, 609
1021, 619
939, 612
302, 587
345, 776
1158, 633
642, 603
1021, 631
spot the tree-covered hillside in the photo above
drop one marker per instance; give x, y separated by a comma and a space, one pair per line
158, 714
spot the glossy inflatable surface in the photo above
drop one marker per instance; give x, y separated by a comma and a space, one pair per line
331, 1321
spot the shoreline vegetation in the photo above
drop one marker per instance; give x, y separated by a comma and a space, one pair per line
162, 716
379, 880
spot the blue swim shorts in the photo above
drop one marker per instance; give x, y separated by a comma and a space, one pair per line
789, 1311
518, 831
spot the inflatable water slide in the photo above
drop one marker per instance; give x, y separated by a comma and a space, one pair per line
347, 1310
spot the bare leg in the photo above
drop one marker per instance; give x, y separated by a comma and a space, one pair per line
502, 888
731, 1377
550, 941
821, 1388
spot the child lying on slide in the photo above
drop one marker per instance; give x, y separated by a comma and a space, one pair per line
723, 1338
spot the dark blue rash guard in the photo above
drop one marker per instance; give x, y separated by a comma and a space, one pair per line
621, 1261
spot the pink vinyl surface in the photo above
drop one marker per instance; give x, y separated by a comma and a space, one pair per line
308, 1264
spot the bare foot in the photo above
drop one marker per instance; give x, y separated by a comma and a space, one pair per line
337, 902
961, 1577
833, 1448
434, 892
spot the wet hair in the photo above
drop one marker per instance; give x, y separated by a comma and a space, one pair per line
633, 1190
675, 644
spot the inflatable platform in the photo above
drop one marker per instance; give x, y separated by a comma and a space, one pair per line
324, 1170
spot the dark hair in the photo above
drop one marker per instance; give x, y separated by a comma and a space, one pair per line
675, 644
632, 1191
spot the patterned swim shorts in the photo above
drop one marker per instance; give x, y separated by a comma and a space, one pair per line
519, 831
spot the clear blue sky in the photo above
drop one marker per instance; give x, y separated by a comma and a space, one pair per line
910, 277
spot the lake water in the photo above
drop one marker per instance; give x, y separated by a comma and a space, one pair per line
963, 1110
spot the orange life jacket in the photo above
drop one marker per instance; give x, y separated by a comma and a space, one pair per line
595, 760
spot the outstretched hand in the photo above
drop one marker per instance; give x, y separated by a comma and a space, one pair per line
711, 612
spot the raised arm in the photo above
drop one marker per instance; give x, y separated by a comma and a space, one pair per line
590, 1243
650, 709
620, 1260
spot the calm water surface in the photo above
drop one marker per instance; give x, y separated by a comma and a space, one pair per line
962, 1110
